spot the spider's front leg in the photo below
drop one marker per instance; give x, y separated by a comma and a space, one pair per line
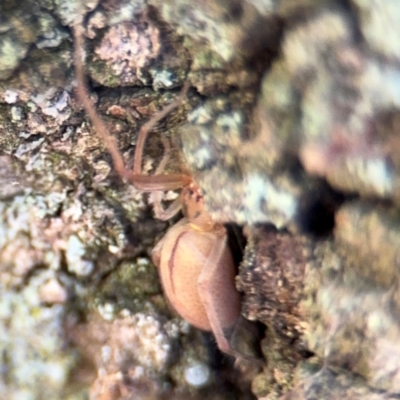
216, 287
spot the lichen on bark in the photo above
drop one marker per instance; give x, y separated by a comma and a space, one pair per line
290, 128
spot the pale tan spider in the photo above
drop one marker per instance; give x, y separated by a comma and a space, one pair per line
195, 264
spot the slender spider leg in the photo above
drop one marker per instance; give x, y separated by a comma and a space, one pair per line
166, 156
83, 96
175, 206
215, 293
167, 213
140, 181
176, 180
146, 128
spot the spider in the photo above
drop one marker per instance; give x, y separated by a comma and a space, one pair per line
194, 261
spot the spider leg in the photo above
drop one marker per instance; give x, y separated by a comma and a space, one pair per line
174, 208
140, 181
218, 293
82, 93
146, 128
162, 213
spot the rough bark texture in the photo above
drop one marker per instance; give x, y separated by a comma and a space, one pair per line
291, 128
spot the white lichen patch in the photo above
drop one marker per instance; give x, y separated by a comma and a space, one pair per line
141, 335
231, 121
11, 52
163, 79
265, 202
127, 11
382, 87
107, 311
203, 157
374, 174
10, 96
200, 115
23, 241
17, 113
31, 341
74, 254
73, 11
153, 341
197, 374
379, 25
54, 105
96, 21
24, 149
52, 38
